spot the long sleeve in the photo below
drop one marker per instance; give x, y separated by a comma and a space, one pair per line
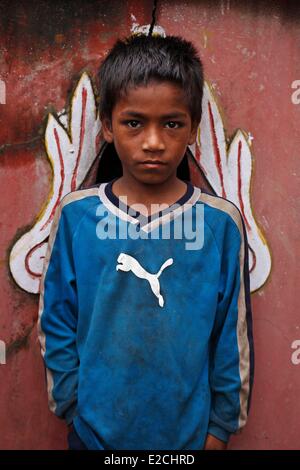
231, 372
58, 319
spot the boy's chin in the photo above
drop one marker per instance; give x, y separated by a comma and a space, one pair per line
152, 178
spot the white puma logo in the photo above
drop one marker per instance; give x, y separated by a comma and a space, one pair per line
128, 263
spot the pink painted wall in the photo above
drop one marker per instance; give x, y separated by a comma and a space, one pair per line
251, 56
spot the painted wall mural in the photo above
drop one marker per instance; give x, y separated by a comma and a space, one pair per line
228, 170
72, 143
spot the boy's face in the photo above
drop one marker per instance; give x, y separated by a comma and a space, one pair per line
151, 127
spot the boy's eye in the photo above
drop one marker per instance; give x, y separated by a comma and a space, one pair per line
134, 124
172, 124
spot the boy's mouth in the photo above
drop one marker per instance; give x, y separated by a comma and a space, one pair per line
152, 163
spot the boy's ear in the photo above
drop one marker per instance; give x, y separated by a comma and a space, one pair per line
193, 134
107, 130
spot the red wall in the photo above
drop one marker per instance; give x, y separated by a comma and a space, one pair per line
251, 54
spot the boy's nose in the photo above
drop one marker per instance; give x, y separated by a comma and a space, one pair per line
153, 141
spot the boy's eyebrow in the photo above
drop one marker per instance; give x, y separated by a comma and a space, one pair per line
175, 115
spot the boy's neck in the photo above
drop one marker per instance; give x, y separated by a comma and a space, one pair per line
147, 194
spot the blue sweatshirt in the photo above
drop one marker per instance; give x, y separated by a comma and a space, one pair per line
146, 335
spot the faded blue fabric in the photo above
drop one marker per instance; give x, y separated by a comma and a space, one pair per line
129, 373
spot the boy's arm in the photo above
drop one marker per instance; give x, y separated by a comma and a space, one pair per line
231, 370
58, 319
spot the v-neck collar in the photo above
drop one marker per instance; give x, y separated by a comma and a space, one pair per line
147, 224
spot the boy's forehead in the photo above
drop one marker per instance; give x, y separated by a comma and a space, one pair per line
155, 96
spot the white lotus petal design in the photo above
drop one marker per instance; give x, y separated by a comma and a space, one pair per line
212, 137
229, 173
71, 153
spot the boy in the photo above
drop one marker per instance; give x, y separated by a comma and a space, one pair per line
146, 335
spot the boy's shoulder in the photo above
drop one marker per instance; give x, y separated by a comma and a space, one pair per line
80, 196
221, 211
76, 204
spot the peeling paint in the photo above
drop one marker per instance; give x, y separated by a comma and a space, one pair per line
144, 29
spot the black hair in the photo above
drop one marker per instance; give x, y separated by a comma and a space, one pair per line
138, 60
